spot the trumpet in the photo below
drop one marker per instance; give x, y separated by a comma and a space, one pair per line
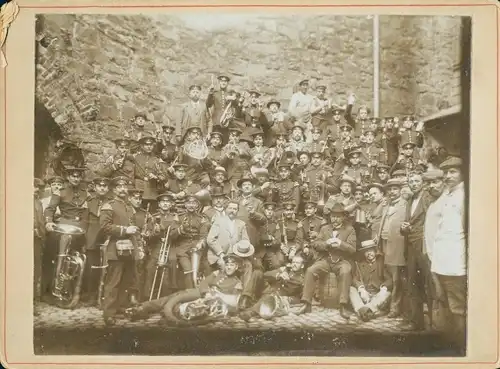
161, 264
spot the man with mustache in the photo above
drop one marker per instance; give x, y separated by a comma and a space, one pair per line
335, 243
447, 249
116, 223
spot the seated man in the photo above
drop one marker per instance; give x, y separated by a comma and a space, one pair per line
335, 243
369, 291
226, 281
286, 281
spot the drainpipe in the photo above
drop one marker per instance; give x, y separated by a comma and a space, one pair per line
376, 65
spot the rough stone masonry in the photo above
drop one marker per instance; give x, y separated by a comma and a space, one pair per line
96, 71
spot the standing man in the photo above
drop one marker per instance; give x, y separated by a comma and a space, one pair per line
391, 243
95, 239
334, 242
417, 264
448, 248
147, 171
300, 107
217, 100
38, 242
116, 223
194, 114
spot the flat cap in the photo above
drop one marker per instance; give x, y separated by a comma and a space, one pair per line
452, 162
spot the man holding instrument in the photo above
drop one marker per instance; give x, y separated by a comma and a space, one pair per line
116, 219
155, 233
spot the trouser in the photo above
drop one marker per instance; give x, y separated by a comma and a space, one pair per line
396, 274
418, 269
454, 290
37, 268
377, 300
140, 279
342, 269
92, 275
119, 279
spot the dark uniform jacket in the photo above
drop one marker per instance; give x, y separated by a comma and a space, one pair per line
38, 221
164, 220
191, 228
73, 206
110, 170
292, 287
146, 164
293, 233
94, 232
217, 101
288, 191
308, 225
116, 215
225, 284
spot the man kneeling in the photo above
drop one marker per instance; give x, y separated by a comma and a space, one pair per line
226, 281
370, 292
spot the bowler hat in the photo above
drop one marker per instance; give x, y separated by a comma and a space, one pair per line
380, 186
245, 179
346, 178
337, 208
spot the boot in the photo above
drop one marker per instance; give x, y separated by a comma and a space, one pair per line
136, 313
133, 300
247, 315
344, 313
363, 313
109, 321
304, 309
244, 303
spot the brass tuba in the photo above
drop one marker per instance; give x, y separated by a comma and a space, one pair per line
274, 305
70, 268
196, 149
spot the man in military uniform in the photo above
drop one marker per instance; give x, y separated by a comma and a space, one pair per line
226, 281
190, 233
286, 189
116, 223
345, 197
168, 151
121, 164
343, 144
38, 242
355, 169
180, 186
408, 158
147, 171
253, 115
217, 100
319, 181
336, 241
157, 228
309, 228
215, 154
73, 206
141, 127
141, 218
291, 237
94, 239
321, 107
382, 173
286, 281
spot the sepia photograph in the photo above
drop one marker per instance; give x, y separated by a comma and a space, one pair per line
251, 183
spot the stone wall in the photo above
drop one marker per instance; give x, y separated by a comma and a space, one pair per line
99, 70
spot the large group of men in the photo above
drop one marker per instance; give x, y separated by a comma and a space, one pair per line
274, 201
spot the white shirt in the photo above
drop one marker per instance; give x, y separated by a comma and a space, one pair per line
300, 104
415, 202
447, 247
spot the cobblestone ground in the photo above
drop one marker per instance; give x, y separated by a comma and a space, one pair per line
319, 320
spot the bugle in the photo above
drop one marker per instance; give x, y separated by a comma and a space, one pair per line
161, 264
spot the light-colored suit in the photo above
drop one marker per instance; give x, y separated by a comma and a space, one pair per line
193, 115
223, 234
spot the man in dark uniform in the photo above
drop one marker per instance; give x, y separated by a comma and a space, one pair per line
191, 233
73, 205
38, 242
157, 228
286, 281
180, 186
309, 227
291, 236
116, 220
226, 281
141, 217
147, 171
94, 240
167, 150
334, 244
217, 100
286, 189
121, 164
253, 115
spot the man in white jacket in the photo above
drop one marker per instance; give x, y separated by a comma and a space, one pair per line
446, 246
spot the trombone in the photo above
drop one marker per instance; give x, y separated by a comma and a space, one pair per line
161, 264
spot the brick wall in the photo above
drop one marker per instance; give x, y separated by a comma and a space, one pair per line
100, 70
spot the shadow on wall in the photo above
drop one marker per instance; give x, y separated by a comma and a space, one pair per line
47, 133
